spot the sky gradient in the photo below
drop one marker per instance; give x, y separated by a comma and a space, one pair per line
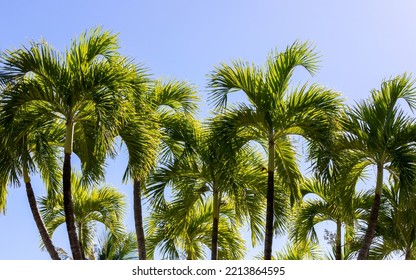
360, 43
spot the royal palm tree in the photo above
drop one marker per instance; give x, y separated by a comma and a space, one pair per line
156, 106
275, 112
83, 89
380, 133
92, 205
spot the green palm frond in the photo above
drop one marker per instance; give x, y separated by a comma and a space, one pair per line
239, 76
111, 247
180, 136
91, 45
311, 213
141, 140
178, 236
282, 209
45, 156
38, 59
150, 127
177, 95
395, 88
305, 250
286, 163
92, 204
185, 190
280, 65
332, 197
231, 245
246, 190
253, 80
237, 126
10, 165
254, 216
161, 233
396, 233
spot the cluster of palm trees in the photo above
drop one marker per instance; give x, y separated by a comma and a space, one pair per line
205, 181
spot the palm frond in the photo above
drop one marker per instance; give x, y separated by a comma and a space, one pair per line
280, 65
305, 250
239, 76
111, 247
92, 205
287, 167
177, 95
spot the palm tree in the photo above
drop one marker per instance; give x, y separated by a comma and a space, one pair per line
199, 170
178, 236
24, 152
330, 195
338, 203
274, 113
92, 205
380, 133
83, 89
239, 178
155, 107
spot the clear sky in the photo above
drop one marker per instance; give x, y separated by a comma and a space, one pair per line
360, 42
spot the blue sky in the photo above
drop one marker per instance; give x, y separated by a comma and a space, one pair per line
360, 42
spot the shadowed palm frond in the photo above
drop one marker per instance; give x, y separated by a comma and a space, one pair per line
112, 247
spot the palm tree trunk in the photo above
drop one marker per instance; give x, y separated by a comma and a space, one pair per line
138, 219
67, 194
46, 239
349, 236
216, 217
268, 239
408, 254
80, 242
372, 223
338, 247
